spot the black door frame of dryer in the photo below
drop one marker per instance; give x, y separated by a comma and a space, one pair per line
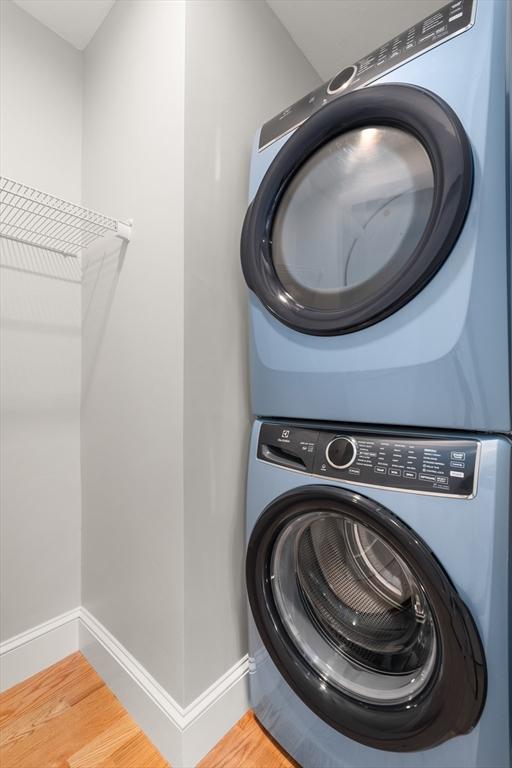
453, 698
435, 125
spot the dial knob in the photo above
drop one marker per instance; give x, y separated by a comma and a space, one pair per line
342, 80
341, 452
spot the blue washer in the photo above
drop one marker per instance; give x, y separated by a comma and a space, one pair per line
376, 242
318, 577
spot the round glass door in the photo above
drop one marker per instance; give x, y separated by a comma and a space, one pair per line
352, 214
362, 621
353, 608
358, 210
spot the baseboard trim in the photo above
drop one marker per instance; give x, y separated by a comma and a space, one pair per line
182, 734
216, 691
130, 666
32, 651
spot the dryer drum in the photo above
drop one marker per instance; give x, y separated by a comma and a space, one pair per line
358, 210
362, 621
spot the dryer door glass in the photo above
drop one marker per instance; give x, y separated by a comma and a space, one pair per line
353, 608
352, 214
358, 210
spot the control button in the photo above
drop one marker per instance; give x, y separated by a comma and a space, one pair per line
453, 473
428, 478
458, 455
410, 474
442, 480
457, 464
395, 472
341, 452
354, 471
380, 470
342, 79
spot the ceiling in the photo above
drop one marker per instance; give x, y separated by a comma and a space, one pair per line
330, 33
74, 20
334, 33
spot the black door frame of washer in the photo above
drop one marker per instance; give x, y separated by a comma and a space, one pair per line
451, 702
439, 130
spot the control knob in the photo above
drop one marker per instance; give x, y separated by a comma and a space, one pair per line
341, 452
342, 80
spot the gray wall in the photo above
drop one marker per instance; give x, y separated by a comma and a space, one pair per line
164, 337
132, 383
241, 68
40, 134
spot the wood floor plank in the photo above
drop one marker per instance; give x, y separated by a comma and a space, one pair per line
108, 763
247, 745
103, 746
139, 752
70, 680
58, 739
24, 726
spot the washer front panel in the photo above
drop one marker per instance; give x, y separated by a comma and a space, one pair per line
450, 20
345, 681
441, 467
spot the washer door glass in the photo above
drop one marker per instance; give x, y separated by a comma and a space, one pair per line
354, 212
362, 621
353, 608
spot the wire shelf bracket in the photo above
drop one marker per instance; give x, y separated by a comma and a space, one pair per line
28, 215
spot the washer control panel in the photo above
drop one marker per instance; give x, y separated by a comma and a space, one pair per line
447, 22
425, 465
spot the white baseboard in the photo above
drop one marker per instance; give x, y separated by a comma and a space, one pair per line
213, 713
152, 718
182, 734
32, 651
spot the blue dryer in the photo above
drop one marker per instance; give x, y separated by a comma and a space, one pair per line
375, 244
378, 582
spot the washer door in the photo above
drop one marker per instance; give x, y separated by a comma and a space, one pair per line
359, 209
363, 622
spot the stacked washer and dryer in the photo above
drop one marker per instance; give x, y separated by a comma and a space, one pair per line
376, 251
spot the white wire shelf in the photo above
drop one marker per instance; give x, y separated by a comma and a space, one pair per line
28, 215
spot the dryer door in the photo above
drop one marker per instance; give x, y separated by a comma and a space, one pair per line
359, 209
363, 622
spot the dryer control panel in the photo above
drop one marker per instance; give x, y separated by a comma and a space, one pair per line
442, 25
419, 465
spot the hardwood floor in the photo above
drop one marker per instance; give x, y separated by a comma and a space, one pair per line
247, 745
66, 717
